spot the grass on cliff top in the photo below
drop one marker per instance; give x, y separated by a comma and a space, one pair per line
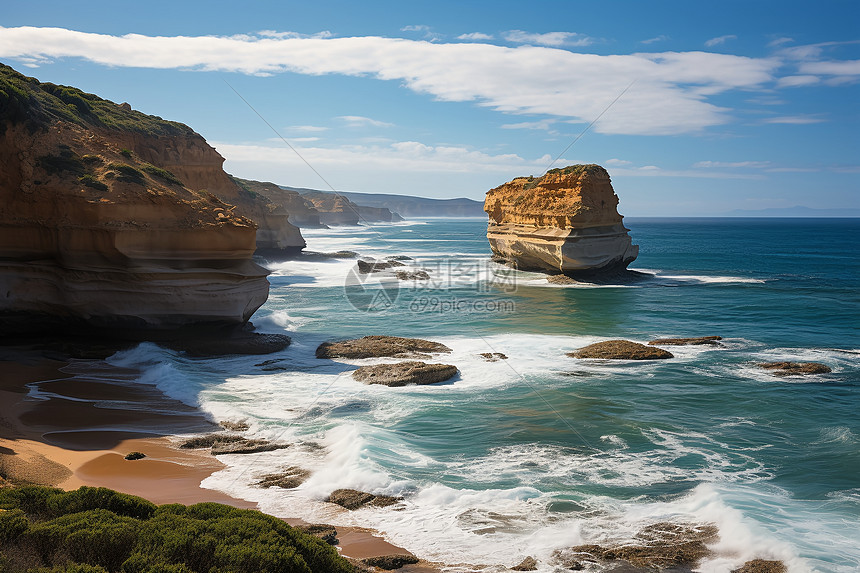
97, 530
577, 170
36, 104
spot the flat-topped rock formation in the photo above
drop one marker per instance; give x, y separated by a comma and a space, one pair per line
104, 221
337, 209
564, 222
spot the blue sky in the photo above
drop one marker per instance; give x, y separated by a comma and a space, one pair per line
728, 105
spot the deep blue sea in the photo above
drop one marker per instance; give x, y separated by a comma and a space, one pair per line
542, 451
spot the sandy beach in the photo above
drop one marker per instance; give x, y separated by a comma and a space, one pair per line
70, 423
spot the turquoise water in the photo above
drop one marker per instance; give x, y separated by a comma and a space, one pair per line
541, 451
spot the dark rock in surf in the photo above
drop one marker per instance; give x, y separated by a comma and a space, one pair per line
412, 275
795, 368
405, 373
353, 499
701, 340
492, 356
380, 347
762, 566
326, 532
289, 478
621, 350
527, 564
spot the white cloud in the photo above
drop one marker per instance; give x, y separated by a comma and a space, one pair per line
543, 124
361, 121
415, 28
779, 42
732, 164
840, 68
474, 36
670, 95
797, 81
617, 162
307, 128
555, 39
401, 156
284, 35
795, 119
660, 38
718, 41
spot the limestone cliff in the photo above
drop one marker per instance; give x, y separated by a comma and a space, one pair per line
564, 222
104, 220
337, 209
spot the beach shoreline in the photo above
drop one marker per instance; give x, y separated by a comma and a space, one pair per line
55, 431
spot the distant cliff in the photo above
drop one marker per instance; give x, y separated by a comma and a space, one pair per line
564, 222
410, 206
113, 218
337, 209
301, 212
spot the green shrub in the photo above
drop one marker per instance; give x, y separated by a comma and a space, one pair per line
125, 153
91, 181
69, 568
161, 174
65, 161
13, 522
127, 173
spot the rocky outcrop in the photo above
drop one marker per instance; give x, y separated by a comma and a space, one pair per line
564, 222
795, 368
290, 478
657, 546
621, 350
390, 562
354, 499
380, 347
697, 341
405, 373
762, 566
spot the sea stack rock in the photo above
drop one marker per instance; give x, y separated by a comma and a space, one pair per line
564, 222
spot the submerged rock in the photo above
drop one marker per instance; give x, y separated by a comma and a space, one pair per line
405, 373
527, 564
412, 275
621, 350
492, 356
366, 267
354, 499
659, 545
250, 343
701, 340
380, 347
792, 368
390, 562
762, 566
564, 222
290, 478
234, 426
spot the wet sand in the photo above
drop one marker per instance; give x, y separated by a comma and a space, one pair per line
70, 423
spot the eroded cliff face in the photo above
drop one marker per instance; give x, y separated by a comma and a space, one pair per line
564, 222
95, 230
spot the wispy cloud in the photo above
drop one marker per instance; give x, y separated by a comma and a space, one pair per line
797, 81
720, 40
795, 119
670, 97
307, 128
286, 35
731, 164
475, 36
554, 39
660, 38
415, 28
543, 124
361, 121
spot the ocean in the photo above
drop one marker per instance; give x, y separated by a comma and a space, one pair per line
540, 451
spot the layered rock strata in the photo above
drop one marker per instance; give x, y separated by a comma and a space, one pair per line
564, 222
301, 212
337, 209
103, 221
